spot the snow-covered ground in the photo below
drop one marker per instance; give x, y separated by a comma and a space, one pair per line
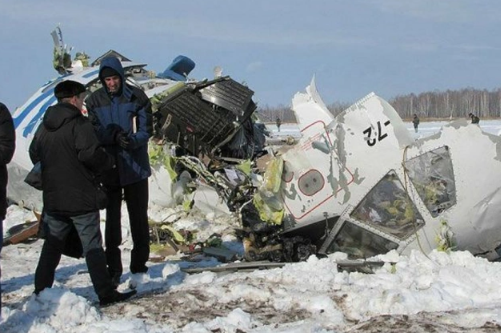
422, 292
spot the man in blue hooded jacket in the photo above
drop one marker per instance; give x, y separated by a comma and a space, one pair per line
122, 118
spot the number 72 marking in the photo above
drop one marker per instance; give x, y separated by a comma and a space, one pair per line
374, 136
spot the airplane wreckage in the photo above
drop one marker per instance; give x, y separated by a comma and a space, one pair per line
358, 183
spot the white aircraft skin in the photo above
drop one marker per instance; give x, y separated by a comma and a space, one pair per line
28, 117
332, 171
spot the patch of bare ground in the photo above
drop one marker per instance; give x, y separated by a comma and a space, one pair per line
419, 323
179, 308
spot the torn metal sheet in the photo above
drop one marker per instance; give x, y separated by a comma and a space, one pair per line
386, 190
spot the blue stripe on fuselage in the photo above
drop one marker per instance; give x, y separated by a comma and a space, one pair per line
30, 127
19, 119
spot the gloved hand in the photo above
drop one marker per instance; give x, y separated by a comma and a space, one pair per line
123, 140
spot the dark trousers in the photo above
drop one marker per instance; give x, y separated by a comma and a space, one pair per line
1, 243
136, 199
89, 232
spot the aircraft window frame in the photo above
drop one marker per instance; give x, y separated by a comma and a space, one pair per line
436, 186
388, 208
359, 242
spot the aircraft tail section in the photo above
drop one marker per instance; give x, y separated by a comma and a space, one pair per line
62, 58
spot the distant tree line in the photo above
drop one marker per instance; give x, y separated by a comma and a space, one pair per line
450, 104
434, 105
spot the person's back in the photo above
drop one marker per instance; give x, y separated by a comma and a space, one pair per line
70, 159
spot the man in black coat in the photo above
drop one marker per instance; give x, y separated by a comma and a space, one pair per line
7, 147
71, 158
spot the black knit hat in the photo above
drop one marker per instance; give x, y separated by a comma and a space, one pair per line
108, 71
68, 88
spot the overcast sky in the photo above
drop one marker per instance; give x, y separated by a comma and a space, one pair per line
352, 47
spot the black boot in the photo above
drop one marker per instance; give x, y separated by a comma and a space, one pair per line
101, 279
116, 297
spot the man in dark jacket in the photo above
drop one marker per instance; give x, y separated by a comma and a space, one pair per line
474, 119
415, 122
122, 118
7, 147
70, 155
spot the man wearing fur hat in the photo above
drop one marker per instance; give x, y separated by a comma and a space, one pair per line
71, 156
122, 118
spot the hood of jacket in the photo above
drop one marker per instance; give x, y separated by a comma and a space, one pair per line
59, 114
114, 63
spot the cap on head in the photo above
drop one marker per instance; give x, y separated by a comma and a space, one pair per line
68, 88
108, 71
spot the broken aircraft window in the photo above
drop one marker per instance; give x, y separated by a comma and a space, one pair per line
387, 207
359, 243
433, 177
